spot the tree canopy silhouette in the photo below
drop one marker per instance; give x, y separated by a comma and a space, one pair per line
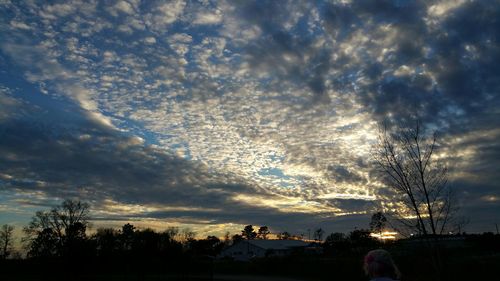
248, 232
6, 240
378, 222
59, 231
263, 232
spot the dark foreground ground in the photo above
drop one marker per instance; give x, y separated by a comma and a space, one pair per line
217, 277
465, 260
459, 267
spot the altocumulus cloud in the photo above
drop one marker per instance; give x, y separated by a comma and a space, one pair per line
82, 158
196, 109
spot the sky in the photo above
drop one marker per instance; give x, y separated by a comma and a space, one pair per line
216, 114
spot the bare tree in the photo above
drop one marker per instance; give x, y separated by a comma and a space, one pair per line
172, 232
285, 235
407, 157
50, 231
318, 234
62, 220
187, 235
378, 222
6, 240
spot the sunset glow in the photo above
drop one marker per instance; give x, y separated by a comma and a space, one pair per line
385, 235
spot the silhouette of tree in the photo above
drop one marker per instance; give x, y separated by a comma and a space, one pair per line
378, 222
227, 239
460, 223
263, 232
58, 231
359, 235
407, 157
336, 242
44, 244
75, 240
145, 243
248, 232
127, 236
236, 238
187, 235
168, 246
211, 246
136, 245
318, 234
284, 235
336, 237
172, 231
106, 241
6, 240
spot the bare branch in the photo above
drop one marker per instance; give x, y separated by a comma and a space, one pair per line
406, 157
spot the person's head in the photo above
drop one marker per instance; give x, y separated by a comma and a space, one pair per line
378, 263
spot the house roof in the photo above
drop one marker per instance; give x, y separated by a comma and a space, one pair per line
277, 244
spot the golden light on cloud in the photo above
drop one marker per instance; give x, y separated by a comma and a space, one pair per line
111, 207
444, 7
291, 204
366, 196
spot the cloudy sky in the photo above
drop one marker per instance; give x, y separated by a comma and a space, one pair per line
216, 114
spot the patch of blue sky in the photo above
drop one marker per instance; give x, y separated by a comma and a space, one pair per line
133, 128
55, 107
286, 184
276, 158
17, 207
200, 32
11, 77
8, 14
272, 172
303, 28
283, 180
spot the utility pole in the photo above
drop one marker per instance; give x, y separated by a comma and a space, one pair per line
496, 225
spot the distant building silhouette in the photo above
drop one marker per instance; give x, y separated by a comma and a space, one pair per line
247, 249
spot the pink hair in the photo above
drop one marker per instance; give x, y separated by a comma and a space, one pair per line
378, 263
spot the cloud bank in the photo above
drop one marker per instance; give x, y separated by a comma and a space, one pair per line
193, 110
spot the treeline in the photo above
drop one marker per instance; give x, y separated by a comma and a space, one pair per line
59, 239
62, 232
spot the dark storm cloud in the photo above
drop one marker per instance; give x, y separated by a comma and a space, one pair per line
381, 91
467, 54
355, 205
453, 60
403, 60
286, 54
342, 174
459, 51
